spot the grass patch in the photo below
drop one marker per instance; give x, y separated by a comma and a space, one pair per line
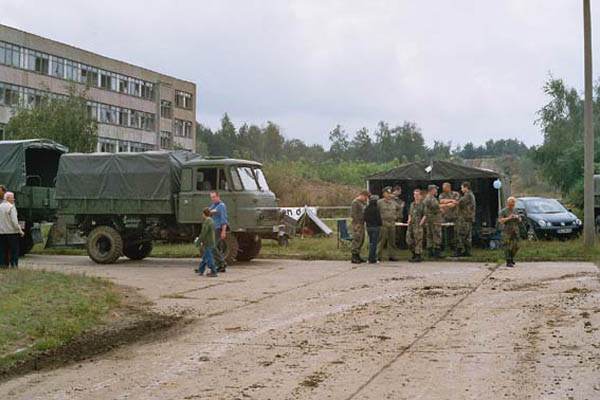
40, 311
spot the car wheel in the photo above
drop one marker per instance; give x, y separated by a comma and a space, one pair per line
531, 234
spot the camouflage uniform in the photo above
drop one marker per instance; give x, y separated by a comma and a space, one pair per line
466, 214
400, 235
358, 225
510, 233
387, 238
414, 234
450, 215
433, 221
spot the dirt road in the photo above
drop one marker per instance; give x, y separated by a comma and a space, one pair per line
329, 330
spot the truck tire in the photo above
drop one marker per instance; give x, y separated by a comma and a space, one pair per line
104, 245
230, 248
249, 248
138, 251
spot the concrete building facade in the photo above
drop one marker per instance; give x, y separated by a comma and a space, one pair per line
137, 109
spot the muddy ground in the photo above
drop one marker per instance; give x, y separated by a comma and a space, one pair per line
281, 329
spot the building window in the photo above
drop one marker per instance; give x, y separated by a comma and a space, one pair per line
123, 147
147, 121
165, 109
183, 99
147, 90
166, 140
107, 145
183, 128
10, 55
105, 80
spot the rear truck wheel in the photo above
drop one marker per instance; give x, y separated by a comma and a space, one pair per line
230, 248
137, 245
104, 245
283, 241
250, 246
138, 251
25, 243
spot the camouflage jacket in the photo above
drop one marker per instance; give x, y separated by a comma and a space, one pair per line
451, 213
401, 205
358, 212
416, 212
466, 206
388, 210
432, 205
512, 225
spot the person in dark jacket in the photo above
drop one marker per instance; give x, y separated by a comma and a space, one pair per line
373, 221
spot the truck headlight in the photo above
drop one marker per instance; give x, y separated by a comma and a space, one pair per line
542, 223
578, 222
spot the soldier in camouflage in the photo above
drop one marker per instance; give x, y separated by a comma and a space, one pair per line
358, 225
448, 200
466, 214
388, 208
510, 222
414, 233
433, 223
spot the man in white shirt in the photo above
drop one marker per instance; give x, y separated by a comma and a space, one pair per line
10, 231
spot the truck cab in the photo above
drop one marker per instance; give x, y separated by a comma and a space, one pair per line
251, 206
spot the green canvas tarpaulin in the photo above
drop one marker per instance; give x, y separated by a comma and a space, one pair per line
125, 176
35, 160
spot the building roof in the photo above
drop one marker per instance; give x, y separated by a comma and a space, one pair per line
440, 170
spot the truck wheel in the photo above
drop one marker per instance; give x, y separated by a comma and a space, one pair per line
138, 251
230, 248
249, 248
25, 243
104, 245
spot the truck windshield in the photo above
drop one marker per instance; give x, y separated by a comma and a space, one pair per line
248, 178
262, 181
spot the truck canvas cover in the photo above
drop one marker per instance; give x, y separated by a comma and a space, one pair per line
17, 156
124, 176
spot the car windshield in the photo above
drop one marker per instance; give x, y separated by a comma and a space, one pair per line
544, 206
248, 178
262, 181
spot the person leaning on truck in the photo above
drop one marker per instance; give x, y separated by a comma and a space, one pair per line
218, 212
10, 230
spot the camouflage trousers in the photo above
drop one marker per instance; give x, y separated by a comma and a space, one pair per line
414, 238
387, 240
464, 228
510, 242
358, 237
434, 231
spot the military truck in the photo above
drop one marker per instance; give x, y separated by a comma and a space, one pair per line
123, 202
28, 168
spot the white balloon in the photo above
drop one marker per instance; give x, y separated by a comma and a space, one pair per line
497, 184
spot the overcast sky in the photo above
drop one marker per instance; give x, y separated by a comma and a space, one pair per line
462, 70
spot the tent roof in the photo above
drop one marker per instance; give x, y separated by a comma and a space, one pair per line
441, 170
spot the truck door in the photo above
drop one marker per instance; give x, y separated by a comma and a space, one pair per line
185, 204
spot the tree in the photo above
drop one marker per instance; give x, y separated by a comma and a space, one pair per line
339, 143
362, 146
65, 120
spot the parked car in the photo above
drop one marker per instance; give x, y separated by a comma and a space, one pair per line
547, 218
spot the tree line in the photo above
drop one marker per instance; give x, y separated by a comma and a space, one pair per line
401, 143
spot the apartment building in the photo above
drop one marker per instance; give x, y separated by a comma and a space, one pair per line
137, 109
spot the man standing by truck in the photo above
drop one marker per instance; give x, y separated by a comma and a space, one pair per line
218, 212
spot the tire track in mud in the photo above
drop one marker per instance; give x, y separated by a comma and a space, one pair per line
421, 336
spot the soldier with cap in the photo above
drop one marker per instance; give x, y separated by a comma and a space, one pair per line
396, 193
358, 225
466, 214
388, 209
448, 199
414, 233
433, 223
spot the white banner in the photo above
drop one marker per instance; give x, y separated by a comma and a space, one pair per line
297, 212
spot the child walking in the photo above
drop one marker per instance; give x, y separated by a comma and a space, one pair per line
206, 239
